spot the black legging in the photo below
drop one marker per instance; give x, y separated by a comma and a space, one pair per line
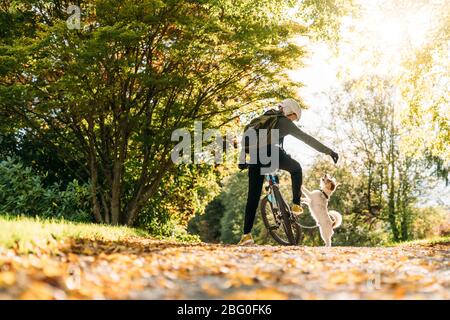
256, 180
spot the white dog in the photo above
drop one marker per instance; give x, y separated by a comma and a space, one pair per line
317, 202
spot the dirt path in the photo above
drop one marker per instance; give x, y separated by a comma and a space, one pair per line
147, 269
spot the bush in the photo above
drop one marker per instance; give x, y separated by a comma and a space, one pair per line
207, 225
158, 224
182, 194
22, 192
356, 232
430, 222
234, 198
161, 225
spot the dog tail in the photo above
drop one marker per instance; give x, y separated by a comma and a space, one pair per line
336, 217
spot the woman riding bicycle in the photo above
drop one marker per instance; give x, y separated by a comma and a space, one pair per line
282, 119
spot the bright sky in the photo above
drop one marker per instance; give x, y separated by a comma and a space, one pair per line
381, 33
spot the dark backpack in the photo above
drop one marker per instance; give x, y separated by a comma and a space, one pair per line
268, 121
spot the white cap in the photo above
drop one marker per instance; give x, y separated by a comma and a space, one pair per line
290, 106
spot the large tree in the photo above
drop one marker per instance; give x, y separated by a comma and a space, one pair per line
109, 95
425, 86
369, 112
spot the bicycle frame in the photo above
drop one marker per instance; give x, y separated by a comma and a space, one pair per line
275, 192
278, 202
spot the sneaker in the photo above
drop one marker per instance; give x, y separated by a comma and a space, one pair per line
296, 209
246, 240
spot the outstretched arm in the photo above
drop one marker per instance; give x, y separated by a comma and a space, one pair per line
287, 127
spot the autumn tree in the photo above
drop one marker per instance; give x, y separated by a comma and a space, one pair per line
369, 111
110, 93
425, 85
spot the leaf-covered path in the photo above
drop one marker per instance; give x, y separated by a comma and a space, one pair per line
148, 269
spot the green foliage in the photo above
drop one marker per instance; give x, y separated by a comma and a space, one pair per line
443, 240
368, 110
166, 228
99, 104
233, 198
183, 193
356, 231
55, 164
163, 226
430, 222
26, 234
324, 16
425, 85
22, 192
223, 220
362, 225
207, 225
114, 91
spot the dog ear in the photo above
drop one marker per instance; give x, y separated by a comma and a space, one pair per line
332, 185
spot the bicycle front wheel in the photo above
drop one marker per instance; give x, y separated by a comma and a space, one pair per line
277, 225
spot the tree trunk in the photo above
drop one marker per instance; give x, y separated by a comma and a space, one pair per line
391, 208
405, 231
143, 195
106, 208
93, 171
404, 203
369, 187
94, 188
115, 194
391, 179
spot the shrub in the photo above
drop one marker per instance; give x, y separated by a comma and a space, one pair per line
233, 198
158, 223
22, 192
430, 222
207, 225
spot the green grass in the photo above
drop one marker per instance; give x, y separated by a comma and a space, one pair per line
25, 233
423, 242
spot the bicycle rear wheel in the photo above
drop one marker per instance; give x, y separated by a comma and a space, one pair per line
279, 225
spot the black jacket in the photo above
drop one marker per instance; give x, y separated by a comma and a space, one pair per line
273, 119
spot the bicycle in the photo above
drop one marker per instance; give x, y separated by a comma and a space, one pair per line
276, 213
